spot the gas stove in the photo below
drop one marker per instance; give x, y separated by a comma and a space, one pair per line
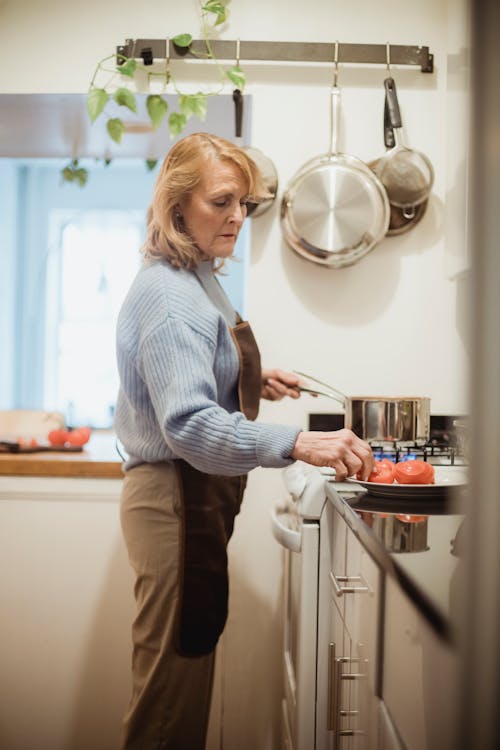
442, 448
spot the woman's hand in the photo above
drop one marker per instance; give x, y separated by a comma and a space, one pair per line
341, 450
276, 384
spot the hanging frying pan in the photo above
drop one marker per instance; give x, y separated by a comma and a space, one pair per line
401, 219
335, 209
263, 162
406, 174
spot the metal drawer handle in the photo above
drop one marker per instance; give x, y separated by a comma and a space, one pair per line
332, 689
340, 590
335, 675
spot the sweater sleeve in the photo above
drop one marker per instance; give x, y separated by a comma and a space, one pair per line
176, 363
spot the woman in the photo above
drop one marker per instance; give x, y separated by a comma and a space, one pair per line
191, 382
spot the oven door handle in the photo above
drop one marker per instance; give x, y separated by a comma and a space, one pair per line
287, 537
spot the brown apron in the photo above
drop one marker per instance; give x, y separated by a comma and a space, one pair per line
210, 503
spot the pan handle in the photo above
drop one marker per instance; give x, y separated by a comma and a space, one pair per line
392, 103
238, 112
334, 119
389, 139
329, 391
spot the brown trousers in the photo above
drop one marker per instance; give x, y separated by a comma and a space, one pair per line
171, 694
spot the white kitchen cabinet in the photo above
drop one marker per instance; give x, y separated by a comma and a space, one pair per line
420, 675
356, 586
67, 605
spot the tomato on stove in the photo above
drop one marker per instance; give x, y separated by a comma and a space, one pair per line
383, 472
414, 472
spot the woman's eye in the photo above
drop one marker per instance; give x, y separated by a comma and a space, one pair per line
221, 203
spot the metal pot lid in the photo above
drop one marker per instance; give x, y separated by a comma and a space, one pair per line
334, 212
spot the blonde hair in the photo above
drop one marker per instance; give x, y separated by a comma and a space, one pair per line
180, 174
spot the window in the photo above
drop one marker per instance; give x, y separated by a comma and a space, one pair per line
96, 258
71, 259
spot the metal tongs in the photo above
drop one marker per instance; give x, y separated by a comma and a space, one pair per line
326, 390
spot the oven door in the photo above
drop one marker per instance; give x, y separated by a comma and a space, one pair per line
301, 551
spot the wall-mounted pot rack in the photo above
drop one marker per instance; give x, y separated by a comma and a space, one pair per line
150, 50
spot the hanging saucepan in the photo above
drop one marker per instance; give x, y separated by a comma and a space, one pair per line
335, 209
406, 174
378, 418
401, 219
264, 163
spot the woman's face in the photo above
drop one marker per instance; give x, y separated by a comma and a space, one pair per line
214, 212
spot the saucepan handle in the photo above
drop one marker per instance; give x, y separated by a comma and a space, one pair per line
325, 390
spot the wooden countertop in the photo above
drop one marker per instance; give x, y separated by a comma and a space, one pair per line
98, 459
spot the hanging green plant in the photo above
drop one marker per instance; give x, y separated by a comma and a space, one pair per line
72, 172
115, 82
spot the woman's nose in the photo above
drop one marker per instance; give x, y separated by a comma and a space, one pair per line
239, 212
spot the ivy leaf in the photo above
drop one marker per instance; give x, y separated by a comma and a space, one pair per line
125, 97
236, 76
176, 124
128, 68
217, 8
151, 164
182, 40
107, 162
193, 104
81, 176
67, 174
157, 109
96, 101
115, 128
73, 173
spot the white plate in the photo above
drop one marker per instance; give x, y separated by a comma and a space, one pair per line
447, 478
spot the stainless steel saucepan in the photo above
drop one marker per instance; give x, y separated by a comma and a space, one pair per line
378, 418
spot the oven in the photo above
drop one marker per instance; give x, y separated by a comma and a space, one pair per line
296, 526
325, 679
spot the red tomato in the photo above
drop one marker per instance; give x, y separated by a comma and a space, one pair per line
79, 436
414, 472
411, 519
58, 437
383, 472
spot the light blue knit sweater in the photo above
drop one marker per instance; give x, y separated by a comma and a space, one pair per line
178, 371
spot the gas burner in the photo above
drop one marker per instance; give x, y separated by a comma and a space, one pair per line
433, 451
443, 446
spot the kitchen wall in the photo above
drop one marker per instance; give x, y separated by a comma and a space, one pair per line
395, 323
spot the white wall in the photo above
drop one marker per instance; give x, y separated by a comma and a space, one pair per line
393, 324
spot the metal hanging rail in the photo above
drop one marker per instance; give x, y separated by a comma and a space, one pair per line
314, 52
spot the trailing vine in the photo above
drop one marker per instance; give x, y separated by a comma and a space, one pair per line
115, 75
